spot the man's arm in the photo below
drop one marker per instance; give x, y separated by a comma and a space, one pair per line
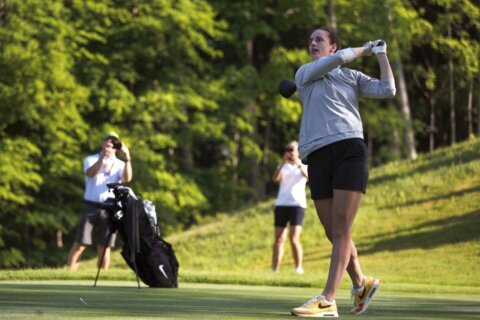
127, 171
95, 168
127, 174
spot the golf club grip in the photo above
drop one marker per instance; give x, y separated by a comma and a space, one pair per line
380, 43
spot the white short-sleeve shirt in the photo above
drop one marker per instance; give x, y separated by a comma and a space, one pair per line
96, 189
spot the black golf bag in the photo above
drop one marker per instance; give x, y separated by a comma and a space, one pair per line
145, 251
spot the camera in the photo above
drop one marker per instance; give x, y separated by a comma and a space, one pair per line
117, 144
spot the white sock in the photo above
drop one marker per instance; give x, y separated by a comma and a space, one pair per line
329, 302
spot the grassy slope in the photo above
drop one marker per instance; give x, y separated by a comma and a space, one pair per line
419, 223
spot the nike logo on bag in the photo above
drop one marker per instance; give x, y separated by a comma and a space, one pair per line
160, 267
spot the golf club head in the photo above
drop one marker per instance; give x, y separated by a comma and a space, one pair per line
287, 88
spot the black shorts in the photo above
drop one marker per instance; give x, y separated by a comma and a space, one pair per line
342, 165
93, 227
283, 214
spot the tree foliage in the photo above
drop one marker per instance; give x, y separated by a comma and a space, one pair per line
191, 86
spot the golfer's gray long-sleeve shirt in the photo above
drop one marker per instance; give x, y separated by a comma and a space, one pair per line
329, 96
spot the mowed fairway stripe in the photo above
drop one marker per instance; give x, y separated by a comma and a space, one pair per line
114, 300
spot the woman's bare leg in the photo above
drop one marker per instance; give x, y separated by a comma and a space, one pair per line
278, 247
297, 249
337, 215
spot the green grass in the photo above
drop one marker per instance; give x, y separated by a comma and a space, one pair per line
121, 300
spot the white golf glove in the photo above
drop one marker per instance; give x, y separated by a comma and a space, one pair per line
379, 46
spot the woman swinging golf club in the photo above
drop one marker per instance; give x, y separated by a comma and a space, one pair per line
331, 143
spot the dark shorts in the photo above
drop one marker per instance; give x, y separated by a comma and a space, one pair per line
342, 165
93, 227
284, 214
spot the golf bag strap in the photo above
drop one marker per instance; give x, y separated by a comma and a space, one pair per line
132, 218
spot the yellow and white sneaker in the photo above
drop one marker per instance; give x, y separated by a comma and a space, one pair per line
362, 296
317, 307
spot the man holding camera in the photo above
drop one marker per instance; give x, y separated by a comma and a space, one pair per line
100, 169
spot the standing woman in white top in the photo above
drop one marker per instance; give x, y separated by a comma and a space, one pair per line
331, 142
290, 206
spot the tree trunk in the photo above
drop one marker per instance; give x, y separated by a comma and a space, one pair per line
402, 89
266, 142
453, 136
332, 14
478, 101
59, 238
258, 191
405, 110
187, 148
431, 127
370, 146
478, 106
235, 155
394, 144
470, 109
3, 12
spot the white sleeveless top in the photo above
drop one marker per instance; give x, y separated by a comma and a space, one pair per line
292, 187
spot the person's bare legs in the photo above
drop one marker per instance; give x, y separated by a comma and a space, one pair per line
297, 249
278, 247
74, 255
344, 208
324, 212
106, 258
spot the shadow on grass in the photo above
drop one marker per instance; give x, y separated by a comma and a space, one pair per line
459, 193
211, 302
422, 308
317, 255
427, 235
